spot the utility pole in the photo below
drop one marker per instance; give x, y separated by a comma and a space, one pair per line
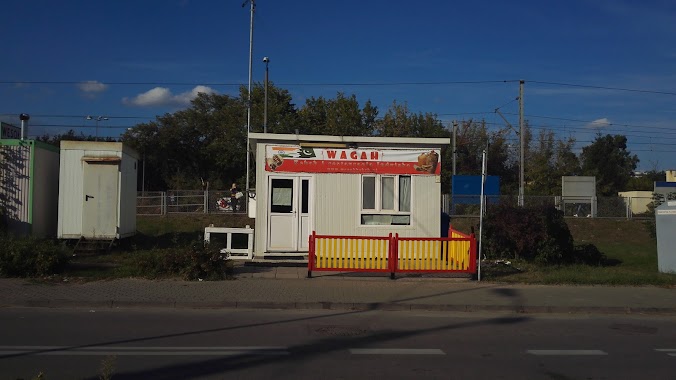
248, 107
455, 148
265, 113
522, 139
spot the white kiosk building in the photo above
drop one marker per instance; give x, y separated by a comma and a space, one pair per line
343, 185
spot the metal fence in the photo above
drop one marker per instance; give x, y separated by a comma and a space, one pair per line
219, 202
583, 207
189, 202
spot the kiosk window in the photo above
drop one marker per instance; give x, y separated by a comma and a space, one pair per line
385, 200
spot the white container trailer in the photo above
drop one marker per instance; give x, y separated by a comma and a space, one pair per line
97, 190
29, 186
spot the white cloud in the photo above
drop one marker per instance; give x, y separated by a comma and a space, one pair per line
92, 87
161, 96
599, 123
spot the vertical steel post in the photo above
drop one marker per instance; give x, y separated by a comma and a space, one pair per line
522, 137
248, 107
265, 113
455, 148
481, 212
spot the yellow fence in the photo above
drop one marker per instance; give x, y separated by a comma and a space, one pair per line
433, 255
351, 253
392, 254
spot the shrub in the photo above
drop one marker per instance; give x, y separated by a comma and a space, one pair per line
192, 262
29, 257
587, 254
537, 233
3, 220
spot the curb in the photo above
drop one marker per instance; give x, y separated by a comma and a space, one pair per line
365, 306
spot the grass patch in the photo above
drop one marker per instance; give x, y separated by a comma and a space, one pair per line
630, 251
145, 254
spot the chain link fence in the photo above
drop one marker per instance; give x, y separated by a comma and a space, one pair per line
219, 201
189, 202
592, 207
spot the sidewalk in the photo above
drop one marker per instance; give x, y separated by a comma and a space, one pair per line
288, 288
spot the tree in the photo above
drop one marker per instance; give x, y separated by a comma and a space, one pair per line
646, 181
341, 116
282, 113
400, 122
548, 159
71, 136
473, 137
205, 144
608, 159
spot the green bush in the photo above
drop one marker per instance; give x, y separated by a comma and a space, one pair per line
29, 257
536, 233
3, 221
192, 262
587, 254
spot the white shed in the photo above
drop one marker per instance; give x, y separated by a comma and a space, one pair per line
29, 186
343, 185
97, 190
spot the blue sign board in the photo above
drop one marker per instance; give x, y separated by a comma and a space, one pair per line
466, 189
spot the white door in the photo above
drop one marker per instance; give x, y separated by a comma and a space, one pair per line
289, 210
99, 212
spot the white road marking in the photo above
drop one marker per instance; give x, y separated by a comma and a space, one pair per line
567, 352
668, 351
396, 351
142, 351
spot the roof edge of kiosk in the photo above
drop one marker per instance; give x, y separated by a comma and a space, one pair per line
367, 140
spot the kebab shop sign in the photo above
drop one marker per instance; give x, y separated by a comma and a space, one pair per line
296, 159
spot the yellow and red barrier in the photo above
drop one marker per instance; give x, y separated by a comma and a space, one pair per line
456, 253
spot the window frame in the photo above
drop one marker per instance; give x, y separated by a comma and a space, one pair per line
378, 210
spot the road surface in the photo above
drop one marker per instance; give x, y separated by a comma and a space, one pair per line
305, 344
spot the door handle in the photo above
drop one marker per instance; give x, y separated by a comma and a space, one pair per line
87, 197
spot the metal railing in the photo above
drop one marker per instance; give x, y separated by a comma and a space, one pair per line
189, 202
592, 207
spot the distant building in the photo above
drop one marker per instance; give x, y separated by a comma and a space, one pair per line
671, 175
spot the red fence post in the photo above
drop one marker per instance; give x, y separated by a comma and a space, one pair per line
311, 255
473, 253
394, 247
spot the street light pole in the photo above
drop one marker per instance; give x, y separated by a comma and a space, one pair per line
265, 113
522, 146
24, 117
248, 107
97, 119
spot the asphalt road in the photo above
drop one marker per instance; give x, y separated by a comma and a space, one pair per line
303, 344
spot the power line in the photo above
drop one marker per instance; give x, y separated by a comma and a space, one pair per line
604, 87
80, 116
215, 84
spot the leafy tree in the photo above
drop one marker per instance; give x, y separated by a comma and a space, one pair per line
608, 159
646, 182
472, 138
205, 144
547, 161
71, 136
399, 121
282, 113
201, 146
341, 116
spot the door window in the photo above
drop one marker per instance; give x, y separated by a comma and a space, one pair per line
282, 195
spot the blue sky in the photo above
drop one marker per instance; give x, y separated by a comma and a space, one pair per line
65, 60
